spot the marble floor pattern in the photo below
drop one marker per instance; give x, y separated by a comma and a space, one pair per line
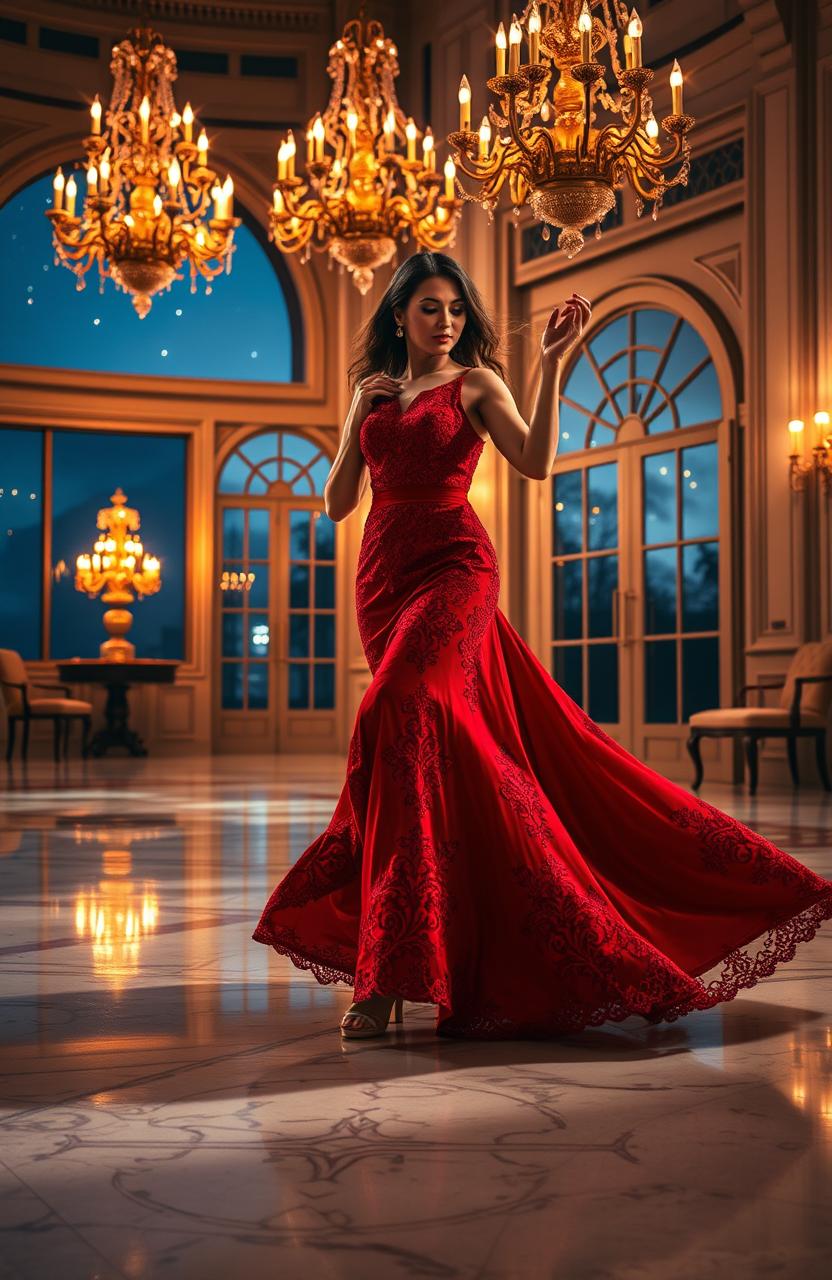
176, 1101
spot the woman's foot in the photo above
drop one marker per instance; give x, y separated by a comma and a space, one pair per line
366, 1018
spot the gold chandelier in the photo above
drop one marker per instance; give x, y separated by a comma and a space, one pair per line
149, 187
361, 194
118, 566
554, 153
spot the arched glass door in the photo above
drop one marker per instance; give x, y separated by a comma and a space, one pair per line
638, 580
276, 616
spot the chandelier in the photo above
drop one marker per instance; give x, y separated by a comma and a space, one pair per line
555, 154
149, 193
362, 192
118, 566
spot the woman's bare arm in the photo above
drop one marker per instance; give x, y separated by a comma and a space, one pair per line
531, 447
348, 478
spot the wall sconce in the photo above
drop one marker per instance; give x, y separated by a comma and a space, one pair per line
821, 463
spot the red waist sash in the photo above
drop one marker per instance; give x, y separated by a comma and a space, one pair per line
448, 495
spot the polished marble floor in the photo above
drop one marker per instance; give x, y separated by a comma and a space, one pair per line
175, 1100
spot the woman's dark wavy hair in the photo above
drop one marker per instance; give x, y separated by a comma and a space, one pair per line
378, 350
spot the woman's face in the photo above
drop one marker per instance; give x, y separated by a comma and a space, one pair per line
434, 317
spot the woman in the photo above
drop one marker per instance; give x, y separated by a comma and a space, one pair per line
493, 851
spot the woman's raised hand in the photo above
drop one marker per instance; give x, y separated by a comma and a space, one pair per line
374, 387
564, 329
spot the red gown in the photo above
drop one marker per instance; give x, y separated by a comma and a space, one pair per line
493, 851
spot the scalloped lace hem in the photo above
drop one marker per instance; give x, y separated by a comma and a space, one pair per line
740, 971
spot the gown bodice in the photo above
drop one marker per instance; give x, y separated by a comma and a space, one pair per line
431, 442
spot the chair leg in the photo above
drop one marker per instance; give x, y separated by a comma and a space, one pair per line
751, 757
56, 739
25, 752
696, 756
67, 726
86, 726
791, 751
820, 756
12, 730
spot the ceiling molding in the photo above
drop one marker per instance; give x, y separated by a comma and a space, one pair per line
297, 19
768, 35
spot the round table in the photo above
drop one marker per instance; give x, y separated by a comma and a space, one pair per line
118, 677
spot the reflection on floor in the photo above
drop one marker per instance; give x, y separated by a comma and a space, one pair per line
176, 1101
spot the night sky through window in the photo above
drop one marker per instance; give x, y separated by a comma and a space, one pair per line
240, 331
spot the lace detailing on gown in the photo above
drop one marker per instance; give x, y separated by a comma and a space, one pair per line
417, 756
406, 923
726, 844
493, 851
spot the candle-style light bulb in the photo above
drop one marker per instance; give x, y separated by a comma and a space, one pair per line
352, 125
157, 204
71, 193
95, 114
501, 42
58, 184
428, 149
390, 129
318, 136
281, 162
216, 196
202, 148
278, 200
175, 120
652, 127
92, 180
485, 138
291, 151
144, 117
188, 121
634, 31
104, 171
228, 196
464, 96
796, 426
450, 175
410, 132
677, 80
515, 36
534, 34
585, 31
174, 174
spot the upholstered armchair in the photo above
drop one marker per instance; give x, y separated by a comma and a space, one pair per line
803, 712
20, 706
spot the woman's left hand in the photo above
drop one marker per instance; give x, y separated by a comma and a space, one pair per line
566, 325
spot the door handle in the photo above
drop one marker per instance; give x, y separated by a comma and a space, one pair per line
629, 632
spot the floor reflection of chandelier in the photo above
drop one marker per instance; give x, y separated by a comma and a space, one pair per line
149, 188
361, 193
554, 153
115, 918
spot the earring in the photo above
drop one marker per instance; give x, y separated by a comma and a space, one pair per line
399, 331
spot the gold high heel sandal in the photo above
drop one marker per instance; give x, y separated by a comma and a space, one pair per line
376, 1026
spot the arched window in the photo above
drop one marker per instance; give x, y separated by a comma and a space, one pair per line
247, 329
647, 367
277, 593
275, 457
640, 578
